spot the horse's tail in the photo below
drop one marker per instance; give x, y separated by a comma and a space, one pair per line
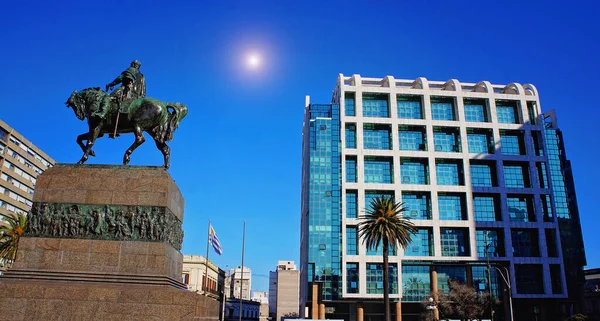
177, 112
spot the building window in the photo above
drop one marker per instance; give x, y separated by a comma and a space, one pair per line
480, 280
525, 243
532, 111
392, 251
422, 243
520, 208
409, 107
417, 204
485, 208
516, 175
446, 139
375, 105
489, 243
451, 206
350, 169
480, 141
551, 242
512, 142
352, 277
351, 204
556, 278
350, 105
350, 135
546, 208
454, 241
375, 278
541, 175
370, 195
529, 278
476, 110
483, 173
377, 136
412, 138
351, 240
379, 170
449, 172
186, 278
3, 134
446, 273
507, 111
443, 108
414, 171
416, 283
538, 145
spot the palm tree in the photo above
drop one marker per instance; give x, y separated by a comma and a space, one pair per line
384, 224
11, 229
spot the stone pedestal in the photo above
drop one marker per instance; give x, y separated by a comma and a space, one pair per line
103, 241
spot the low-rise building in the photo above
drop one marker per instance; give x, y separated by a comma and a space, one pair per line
250, 310
194, 276
263, 298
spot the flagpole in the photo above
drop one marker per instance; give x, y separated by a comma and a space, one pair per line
206, 260
242, 277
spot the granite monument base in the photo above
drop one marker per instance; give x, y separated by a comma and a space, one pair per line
102, 243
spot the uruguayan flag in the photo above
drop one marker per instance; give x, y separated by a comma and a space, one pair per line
214, 241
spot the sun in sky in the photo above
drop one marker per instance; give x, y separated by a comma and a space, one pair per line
253, 60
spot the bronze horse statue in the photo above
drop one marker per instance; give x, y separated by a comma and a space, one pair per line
157, 118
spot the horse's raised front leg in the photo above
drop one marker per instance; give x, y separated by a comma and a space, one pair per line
166, 151
80, 139
92, 135
139, 139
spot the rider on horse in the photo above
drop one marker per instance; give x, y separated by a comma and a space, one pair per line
127, 78
128, 91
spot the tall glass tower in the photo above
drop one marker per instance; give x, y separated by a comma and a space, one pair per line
484, 175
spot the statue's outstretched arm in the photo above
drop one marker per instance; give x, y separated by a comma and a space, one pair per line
117, 81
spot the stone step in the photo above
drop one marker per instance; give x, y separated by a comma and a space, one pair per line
93, 278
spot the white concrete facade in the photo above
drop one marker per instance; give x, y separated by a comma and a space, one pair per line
524, 95
194, 273
239, 279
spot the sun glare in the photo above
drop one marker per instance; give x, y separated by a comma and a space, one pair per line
253, 61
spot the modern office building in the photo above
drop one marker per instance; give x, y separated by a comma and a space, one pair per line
21, 163
482, 172
284, 291
194, 276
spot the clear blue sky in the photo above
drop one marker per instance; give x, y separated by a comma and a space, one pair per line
237, 154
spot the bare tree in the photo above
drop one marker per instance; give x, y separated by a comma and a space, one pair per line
462, 302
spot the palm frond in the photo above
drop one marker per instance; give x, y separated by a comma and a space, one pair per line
11, 230
384, 220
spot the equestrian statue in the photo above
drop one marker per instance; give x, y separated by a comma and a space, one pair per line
126, 110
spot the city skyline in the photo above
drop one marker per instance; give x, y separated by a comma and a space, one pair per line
199, 60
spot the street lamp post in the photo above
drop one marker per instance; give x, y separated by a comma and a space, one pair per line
431, 307
507, 282
489, 270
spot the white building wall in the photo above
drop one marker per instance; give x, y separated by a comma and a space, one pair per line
195, 269
457, 90
246, 281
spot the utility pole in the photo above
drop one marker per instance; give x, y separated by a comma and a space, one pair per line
489, 270
242, 276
